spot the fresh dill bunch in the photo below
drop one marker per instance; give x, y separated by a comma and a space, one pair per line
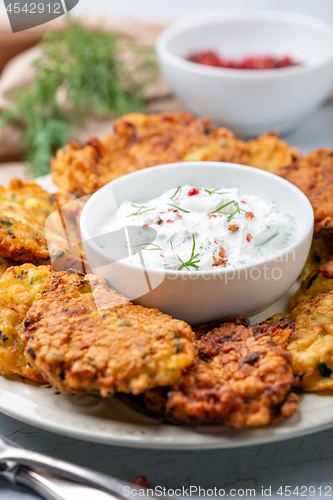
87, 66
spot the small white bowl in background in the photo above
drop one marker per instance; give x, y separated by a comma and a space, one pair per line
250, 102
200, 296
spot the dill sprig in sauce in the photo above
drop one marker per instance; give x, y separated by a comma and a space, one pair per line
178, 192
143, 209
182, 209
191, 262
146, 245
238, 210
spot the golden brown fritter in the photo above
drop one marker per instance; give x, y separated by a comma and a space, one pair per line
25, 241
311, 344
20, 286
140, 141
28, 195
321, 251
318, 282
71, 202
240, 378
71, 207
270, 153
314, 176
84, 336
33, 230
21, 239
317, 275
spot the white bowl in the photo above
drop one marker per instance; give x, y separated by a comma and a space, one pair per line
200, 296
250, 101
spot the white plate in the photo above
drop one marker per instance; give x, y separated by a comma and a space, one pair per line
109, 421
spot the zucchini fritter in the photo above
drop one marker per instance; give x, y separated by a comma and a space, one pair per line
140, 141
311, 344
320, 281
240, 378
28, 195
321, 251
20, 286
270, 153
33, 229
84, 336
25, 241
314, 176
71, 207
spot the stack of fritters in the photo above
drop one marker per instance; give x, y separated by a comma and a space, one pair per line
71, 330
76, 333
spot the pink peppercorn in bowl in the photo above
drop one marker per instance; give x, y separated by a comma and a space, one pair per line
191, 294
250, 102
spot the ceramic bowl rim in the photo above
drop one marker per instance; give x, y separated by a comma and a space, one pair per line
86, 236
288, 17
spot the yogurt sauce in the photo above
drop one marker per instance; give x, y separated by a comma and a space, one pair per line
203, 228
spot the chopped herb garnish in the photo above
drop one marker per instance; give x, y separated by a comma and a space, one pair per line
6, 223
179, 189
155, 247
143, 209
230, 214
3, 337
324, 370
32, 353
191, 262
220, 208
312, 279
214, 191
175, 206
177, 343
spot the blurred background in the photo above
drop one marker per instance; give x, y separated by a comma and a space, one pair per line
165, 10
23, 139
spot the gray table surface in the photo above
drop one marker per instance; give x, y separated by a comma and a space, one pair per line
297, 462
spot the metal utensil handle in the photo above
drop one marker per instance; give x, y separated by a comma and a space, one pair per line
70, 471
54, 488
